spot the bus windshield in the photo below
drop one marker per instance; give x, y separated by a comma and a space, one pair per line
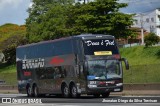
103, 69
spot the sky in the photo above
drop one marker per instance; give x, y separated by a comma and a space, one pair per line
15, 11
140, 6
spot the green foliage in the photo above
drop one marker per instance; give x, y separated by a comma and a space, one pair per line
11, 36
144, 64
151, 39
101, 17
47, 19
8, 74
140, 55
52, 19
142, 74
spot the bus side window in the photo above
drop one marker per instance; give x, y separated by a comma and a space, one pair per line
63, 72
41, 73
57, 73
50, 74
72, 71
42, 77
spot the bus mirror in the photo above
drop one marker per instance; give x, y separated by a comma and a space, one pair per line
126, 63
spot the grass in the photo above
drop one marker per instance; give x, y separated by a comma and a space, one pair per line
144, 64
8, 74
141, 56
7, 68
142, 74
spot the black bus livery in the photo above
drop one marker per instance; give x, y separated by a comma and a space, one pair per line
85, 64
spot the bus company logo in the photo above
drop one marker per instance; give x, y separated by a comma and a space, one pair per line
102, 42
29, 64
21, 101
56, 60
6, 100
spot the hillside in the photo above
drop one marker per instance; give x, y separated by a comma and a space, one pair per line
8, 74
140, 55
144, 64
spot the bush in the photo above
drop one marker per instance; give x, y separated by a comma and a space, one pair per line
151, 39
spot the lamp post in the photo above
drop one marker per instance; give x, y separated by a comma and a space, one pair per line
142, 31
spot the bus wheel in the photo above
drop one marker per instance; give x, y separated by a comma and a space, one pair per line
96, 95
74, 92
65, 91
35, 91
105, 95
29, 91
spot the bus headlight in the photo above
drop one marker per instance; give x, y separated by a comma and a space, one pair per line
92, 86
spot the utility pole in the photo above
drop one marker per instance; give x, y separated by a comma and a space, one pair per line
142, 31
86, 1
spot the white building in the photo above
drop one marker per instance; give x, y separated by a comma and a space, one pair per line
150, 21
82, 1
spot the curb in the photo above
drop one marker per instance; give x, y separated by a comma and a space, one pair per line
153, 86
8, 87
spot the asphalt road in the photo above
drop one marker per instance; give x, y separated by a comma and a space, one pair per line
22, 100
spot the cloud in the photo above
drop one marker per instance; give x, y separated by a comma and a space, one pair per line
8, 3
30, 5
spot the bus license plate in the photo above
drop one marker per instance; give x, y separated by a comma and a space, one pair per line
117, 89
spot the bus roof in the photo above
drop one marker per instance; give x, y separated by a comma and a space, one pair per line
83, 36
92, 36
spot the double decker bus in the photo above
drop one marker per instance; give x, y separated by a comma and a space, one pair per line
84, 64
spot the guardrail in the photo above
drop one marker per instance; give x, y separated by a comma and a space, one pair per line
142, 86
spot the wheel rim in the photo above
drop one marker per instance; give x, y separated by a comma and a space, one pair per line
66, 91
29, 91
35, 92
74, 91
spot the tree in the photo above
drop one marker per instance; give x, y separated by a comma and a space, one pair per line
101, 17
50, 19
11, 36
151, 39
46, 19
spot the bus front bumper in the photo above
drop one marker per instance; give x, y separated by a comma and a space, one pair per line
94, 90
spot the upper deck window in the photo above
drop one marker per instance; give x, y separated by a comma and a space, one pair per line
100, 46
